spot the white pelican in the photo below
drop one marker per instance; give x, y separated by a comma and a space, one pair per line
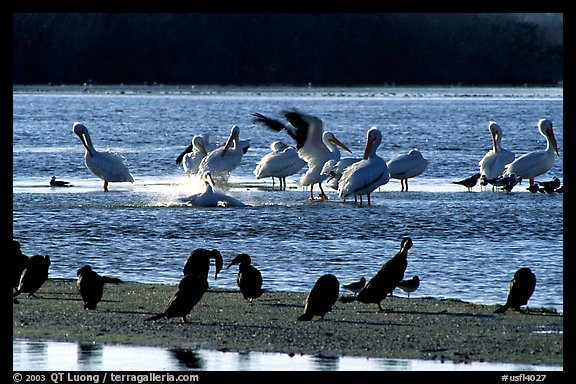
193, 155
308, 131
108, 166
536, 163
493, 163
221, 161
281, 162
211, 198
406, 166
363, 177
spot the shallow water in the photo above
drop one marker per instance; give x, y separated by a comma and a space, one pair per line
466, 245
63, 356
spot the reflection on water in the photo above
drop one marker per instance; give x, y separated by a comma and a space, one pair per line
34, 355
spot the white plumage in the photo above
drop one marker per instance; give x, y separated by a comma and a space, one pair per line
493, 163
364, 176
406, 166
281, 162
109, 166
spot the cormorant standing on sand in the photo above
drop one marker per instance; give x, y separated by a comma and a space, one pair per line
321, 298
249, 278
520, 290
90, 285
34, 275
386, 280
19, 262
190, 291
193, 285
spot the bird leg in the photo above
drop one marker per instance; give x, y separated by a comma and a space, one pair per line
322, 195
380, 309
368, 199
105, 185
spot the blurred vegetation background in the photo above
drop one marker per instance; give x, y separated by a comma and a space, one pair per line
296, 48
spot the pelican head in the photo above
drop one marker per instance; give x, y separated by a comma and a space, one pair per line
233, 138
496, 133
373, 139
82, 132
329, 136
198, 144
545, 128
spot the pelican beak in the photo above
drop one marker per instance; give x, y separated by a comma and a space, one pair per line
550, 134
368, 149
83, 139
231, 139
494, 134
337, 142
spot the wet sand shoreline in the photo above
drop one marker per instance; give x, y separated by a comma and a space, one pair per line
415, 328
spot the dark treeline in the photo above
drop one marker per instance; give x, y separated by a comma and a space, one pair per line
322, 49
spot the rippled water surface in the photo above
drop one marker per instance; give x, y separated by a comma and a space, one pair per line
467, 245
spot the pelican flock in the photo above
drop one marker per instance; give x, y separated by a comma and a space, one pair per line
109, 166
314, 145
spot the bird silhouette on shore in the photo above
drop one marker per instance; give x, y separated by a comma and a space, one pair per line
90, 285
520, 290
190, 290
249, 278
469, 182
386, 280
321, 298
356, 286
409, 285
34, 275
193, 285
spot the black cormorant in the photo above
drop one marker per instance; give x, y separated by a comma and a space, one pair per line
386, 280
321, 298
249, 278
34, 275
90, 285
520, 290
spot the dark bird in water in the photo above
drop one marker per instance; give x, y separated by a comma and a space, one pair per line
59, 183
90, 285
386, 280
249, 278
549, 186
19, 262
356, 286
34, 275
409, 285
321, 298
190, 290
520, 290
469, 182
199, 262
560, 189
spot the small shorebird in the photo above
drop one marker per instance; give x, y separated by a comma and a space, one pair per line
469, 182
249, 278
549, 186
520, 290
321, 298
409, 285
356, 286
58, 183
